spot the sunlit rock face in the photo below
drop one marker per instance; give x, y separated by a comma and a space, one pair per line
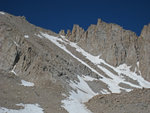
115, 44
60, 72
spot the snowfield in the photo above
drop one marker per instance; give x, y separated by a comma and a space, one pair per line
75, 102
2, 13
26, 36
26, 83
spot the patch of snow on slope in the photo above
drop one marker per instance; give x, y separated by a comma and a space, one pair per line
137, 64
2, 13
124, 69
39, 35
13, 70
26, 36
28, 108
75, 102
88, 78
113, 85
62, 36
117, 79
94, 59
16, 43
26, 83
104, 91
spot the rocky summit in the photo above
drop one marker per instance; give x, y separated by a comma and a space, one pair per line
104, 69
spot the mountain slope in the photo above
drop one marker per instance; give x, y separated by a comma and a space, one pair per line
132, 102
61, 73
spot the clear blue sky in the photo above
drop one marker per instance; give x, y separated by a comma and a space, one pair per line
62, 14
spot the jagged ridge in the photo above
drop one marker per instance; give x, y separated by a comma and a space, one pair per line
115, 44
68, 63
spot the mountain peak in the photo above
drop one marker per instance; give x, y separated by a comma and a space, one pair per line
145, 33
99, 21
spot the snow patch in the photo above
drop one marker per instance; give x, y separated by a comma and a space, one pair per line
13, 70
104, 91
62, 36
125, 70
88, 78
39, 35
28, 108
137, 64
26, 83
81, 94
26, 36
2, 13
63, 94
16, 43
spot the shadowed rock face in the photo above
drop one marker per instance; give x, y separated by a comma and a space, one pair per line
115, 44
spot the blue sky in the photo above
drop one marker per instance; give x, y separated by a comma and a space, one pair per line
62, 14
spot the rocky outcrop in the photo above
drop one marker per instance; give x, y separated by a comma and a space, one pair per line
76, 34
132, 102
115, 45
62, 32
144, 51
145, 34
32, 57
110, 40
